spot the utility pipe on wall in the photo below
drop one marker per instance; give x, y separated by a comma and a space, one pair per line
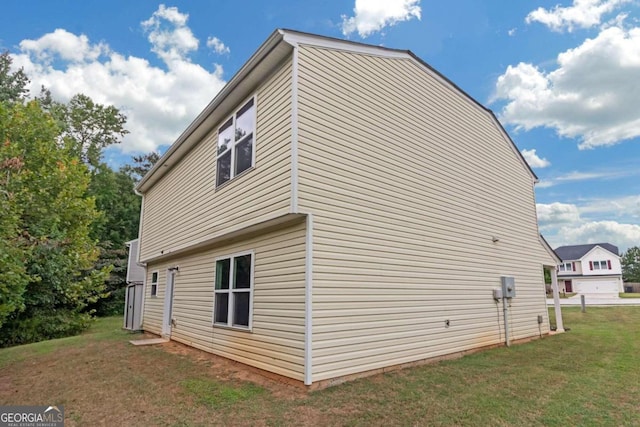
505, 310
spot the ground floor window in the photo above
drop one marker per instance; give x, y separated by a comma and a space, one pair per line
154, 284
234, 291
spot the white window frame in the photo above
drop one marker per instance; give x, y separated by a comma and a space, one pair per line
154, 294
230, 292
602, 265
567, 266
233, 143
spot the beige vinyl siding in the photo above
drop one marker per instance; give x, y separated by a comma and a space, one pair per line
153, 306
408, 181
276, 342
185, 207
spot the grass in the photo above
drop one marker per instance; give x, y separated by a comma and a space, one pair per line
588, 377
629, 295
563, 295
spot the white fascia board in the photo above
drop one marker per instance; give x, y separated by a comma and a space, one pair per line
295, 38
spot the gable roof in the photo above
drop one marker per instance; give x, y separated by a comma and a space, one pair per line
271, 53
574, 252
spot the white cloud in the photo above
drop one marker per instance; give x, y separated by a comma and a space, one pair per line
553, 214
575, 176
170, 37
512, 32
592, 95
627, 207
65, 46
621, 235
582, 14
159, 101
374, 15
218, 46
569, 224
545, 183
534, 160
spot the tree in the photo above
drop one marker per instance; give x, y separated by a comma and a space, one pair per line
631, 265
141, 165
13, 85
87, 127
65, 214
120, 207
13, 276
51, 223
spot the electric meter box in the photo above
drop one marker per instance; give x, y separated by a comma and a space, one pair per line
508, 286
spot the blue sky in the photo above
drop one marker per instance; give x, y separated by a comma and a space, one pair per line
563, 77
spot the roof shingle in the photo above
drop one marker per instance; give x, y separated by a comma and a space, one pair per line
568, 253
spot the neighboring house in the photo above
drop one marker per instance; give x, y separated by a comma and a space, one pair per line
134, 292
590, 269
339, 209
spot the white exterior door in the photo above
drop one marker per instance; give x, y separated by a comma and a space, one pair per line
168, 303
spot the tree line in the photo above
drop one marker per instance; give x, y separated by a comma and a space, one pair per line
65, 214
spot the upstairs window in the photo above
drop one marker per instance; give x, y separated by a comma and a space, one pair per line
236, 140
233, 291
566, 267
601, 265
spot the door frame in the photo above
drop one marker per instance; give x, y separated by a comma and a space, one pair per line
568, 286
168, 302
130, 307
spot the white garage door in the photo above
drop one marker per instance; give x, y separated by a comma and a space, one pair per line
596, 287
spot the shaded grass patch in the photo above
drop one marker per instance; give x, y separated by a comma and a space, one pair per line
215, 394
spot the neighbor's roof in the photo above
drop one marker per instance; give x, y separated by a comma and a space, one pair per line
277, 46
574, 252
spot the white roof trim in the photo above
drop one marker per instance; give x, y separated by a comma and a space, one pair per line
296, 38
596, 247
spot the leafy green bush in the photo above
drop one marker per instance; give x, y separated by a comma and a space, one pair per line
43, 325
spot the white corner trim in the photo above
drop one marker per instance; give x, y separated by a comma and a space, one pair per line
294, 131
308, 300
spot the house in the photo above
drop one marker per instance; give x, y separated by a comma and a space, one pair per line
590, 269
340, 209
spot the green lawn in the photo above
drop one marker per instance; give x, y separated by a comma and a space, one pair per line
588, 376
629, 295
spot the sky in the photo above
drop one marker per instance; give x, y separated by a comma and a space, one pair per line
563, 77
